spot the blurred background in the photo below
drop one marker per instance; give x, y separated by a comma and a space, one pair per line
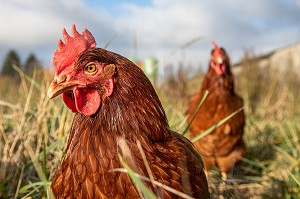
171, 41
147, 28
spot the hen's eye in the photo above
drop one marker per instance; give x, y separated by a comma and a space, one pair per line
91, 68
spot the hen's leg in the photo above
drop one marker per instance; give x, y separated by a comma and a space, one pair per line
226, 163
224, 176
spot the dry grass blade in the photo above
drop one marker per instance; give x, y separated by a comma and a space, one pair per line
147, 193
287, 155
295, 179
196, 112
170, 189
109, 41
146, 164
23, 120
28, 78
10, 105
253, 163
19, 182
37, 166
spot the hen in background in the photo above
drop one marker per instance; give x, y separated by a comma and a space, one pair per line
224, 146
116, 107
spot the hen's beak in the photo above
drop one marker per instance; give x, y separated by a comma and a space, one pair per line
60, 85
219, 60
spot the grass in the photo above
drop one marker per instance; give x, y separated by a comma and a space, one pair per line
34, 129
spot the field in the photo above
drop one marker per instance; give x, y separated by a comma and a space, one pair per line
34, 129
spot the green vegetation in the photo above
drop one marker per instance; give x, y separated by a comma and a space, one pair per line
12, 58
34, 129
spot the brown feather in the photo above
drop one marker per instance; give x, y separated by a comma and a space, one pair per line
132, 113
223, 147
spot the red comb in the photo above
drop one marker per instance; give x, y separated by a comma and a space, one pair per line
67, 52
217, 49
214, 44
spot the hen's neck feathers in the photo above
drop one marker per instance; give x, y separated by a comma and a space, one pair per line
213, 81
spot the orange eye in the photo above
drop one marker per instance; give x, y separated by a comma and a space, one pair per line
91, 68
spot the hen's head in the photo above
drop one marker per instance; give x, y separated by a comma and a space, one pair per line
219, 60
106, 86
83, 83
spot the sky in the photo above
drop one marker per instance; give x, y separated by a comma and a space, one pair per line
151, 28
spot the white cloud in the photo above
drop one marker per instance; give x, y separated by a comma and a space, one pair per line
33, 22
35, 26
164, 25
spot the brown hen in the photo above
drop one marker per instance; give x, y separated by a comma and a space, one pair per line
116, 106
224, 146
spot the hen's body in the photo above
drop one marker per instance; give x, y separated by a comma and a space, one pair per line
131, 113
224, 146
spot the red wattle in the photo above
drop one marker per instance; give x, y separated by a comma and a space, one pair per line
217, 69
87, 101
69, 102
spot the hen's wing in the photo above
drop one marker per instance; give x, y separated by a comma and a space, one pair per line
180, 167
89, 170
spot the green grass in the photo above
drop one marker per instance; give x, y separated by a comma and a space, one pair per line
34, 129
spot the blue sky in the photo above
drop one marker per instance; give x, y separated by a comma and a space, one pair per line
159, 26
111, 5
